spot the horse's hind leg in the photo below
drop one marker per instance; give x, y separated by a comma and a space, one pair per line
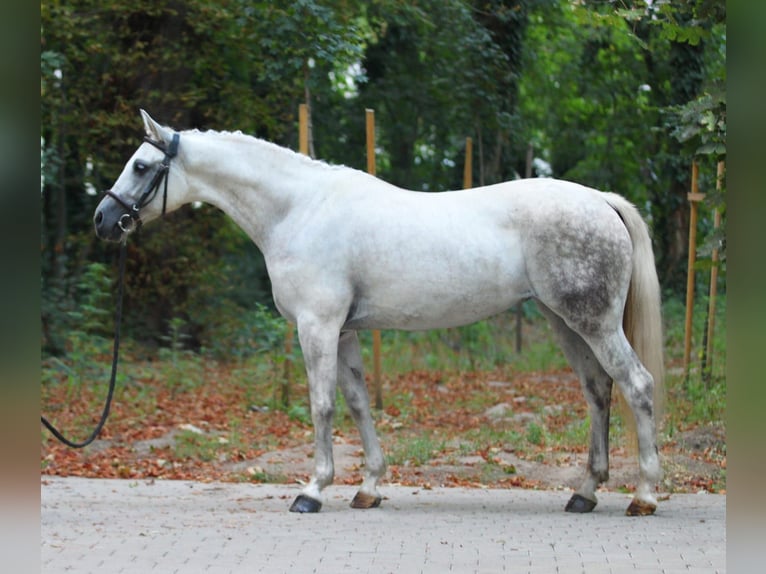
351, 379
637, 386
597, 388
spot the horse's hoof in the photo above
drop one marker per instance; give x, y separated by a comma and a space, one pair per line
362, 500
305, 503
580, 504
640, 508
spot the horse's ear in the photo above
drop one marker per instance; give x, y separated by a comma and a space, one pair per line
154, 130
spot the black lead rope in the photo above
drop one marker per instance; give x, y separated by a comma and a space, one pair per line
115, 357
132, 215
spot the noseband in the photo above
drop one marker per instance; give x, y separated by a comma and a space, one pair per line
131, 218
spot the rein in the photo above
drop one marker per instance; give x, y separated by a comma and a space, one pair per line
115, 357
127, 222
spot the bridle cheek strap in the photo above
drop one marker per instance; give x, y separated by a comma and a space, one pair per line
131, 218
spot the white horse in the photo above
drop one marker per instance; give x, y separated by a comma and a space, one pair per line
346, 251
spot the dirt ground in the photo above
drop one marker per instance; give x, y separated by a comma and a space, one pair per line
686, 468
480, 427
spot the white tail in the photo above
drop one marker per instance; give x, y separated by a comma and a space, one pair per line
642, 320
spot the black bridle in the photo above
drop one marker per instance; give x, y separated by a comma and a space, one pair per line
132, 218
127, 222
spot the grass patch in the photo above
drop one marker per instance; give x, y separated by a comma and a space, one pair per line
483, 346
699, 395
535, 434
196, 446
486, 437
260, 476
416, 451
576, 433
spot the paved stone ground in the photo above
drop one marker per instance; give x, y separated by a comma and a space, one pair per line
121, 526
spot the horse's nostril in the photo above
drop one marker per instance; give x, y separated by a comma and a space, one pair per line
99, 218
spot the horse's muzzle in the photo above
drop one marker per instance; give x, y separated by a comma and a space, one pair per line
109, 221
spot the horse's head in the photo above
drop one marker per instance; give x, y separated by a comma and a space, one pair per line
140, 194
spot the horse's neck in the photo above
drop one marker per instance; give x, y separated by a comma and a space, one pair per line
254, 182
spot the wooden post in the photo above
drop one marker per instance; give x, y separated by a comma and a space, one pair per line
519, 307
376, 342
303, 129
468, 167
287, 376
694, 198
713, 279
370, 122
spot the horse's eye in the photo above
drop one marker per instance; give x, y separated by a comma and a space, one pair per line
139, 166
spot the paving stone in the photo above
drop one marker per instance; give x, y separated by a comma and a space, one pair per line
93, 525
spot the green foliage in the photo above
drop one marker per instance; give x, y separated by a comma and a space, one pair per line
191, 65
436, 72
182, 369
239, 333
542, 355
535, 434
615, 95
196, 446
300, 413
702, 121
689, 23
489, 436
674, 315
96, 307
588, 70
577, 433
700, 395
416, 451
83, 317
707, 401
328, 31
486, 345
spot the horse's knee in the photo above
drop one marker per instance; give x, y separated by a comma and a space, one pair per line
322, 413
356, 400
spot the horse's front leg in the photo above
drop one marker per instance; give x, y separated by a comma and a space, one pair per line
351, 379
319, 343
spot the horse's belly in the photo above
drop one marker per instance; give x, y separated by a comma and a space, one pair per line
419, 318
419, 301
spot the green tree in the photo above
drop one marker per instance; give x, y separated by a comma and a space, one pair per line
598, 87
619, 96
224, 64
436, 72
